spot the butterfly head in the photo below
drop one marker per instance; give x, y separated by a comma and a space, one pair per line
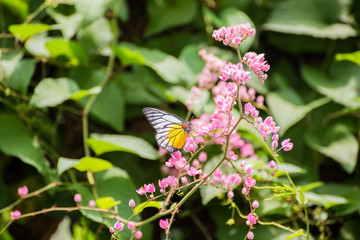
188, 126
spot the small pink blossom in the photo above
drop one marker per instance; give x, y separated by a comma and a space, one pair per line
164, 224
77, 198
138, 234
287, 145
249, 181
202, 157
92, 203
233, 156
255, 204
132, 203
111, 229
236, 73
141, 191
251, 219
272, 164
22, 191
244, 191
230, 194
247, 150
131, 225
119, 225
15, 214
184, 179
190, 144
250, 235
192, 172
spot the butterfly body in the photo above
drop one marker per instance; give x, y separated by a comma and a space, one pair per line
171, 130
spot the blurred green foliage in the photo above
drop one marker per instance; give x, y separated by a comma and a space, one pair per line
60, 56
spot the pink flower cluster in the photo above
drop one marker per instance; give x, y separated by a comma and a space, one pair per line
147, 188
236, 72
195, 94
170, 181
268, 127
119, 226
257, 64
233, 36
15, 214
211, 71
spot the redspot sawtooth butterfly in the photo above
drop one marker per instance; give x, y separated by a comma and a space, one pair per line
171, 130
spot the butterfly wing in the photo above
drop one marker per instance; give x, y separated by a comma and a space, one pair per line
170, 133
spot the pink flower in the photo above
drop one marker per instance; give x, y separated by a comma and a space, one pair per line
250, 235
131, 225
132, 203
230, 194
260, 100
287, 145
138, 234
164, 224
15, 214
247, 150
244, 191
111, 229
202, 157
233, 156
119, 225
192, 172
77, 198
141, 191
234, 35
249, 181
272, 164
22, 191
236, 73
257, 63
255, 204
190, 144
150, 188
92, 203
184, 179
251, 219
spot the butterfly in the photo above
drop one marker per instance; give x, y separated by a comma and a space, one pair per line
171, 130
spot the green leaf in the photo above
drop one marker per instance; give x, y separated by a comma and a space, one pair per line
106, 202
96, 36
310, 17
287, 108
338, 143
16, 140
102, 143
63, 230
68, 53
289, 168
24, 31
17, 7
91, 10
65, 164
342, 86
17, 73
20, 78
296, 234
83, 93
325, 200
93, 164
167, 14
36, 46
8, 63
168, 67
311, 186
352, 57
139, 208
141, 87
128, 56
190, 57
69, 25
109, 106
51, 92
